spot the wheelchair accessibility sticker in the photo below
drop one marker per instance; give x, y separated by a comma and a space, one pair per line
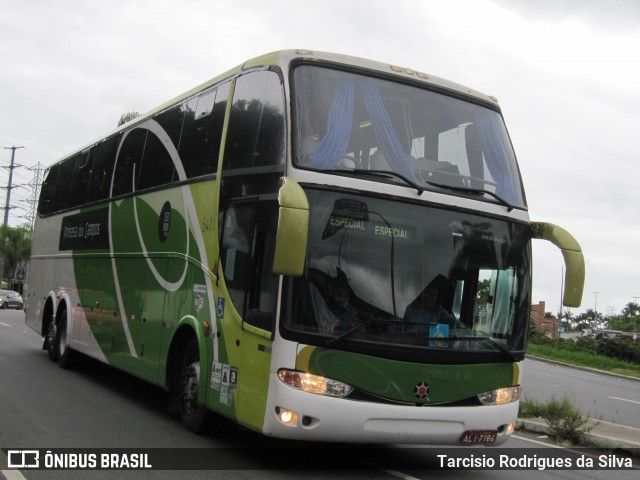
220, 308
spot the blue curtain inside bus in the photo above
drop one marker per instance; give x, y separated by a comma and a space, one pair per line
496, 155
335, 142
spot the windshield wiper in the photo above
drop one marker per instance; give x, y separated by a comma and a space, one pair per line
493, 343
473, 190
379, 173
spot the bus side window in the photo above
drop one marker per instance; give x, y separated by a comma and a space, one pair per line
264, 283
46, 204
68, 184
157, 165
202, 130
103, 157
256, 124
248, 245
128, 162
235, 249
84, 189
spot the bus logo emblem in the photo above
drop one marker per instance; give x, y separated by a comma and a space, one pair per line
421, 391
164, 222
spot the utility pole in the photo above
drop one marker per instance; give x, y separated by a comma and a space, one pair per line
635, 320
10, 184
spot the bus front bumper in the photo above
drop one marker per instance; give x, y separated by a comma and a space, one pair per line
299, 415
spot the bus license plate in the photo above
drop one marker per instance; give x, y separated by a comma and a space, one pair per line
472, 437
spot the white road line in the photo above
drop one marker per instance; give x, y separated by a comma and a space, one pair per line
12, 475
624, 400
4, 324
537, 442
395, 473
9, 474
406, 476
402, 475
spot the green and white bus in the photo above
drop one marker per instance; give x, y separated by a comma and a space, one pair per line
316, 246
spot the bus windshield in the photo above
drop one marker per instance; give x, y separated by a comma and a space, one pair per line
409, 275
354, 125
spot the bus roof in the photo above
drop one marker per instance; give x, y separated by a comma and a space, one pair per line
283, 58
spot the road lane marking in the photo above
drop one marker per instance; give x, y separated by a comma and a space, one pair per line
381, 468
5, 324
9, 474
624, 400
537, 442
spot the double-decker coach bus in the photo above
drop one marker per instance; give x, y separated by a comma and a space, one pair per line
315, 246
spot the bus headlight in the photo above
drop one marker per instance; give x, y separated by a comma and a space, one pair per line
310, 383
501, 396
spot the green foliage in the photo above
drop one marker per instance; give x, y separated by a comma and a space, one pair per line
624, 350
619, 349
587, 344
484, 288
584, 359
564, 419
531, 409
628, 320
15, 244
538, 337
127, 117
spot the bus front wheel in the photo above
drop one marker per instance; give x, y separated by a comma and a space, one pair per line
192, 414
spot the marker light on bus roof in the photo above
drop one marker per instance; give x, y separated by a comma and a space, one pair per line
501, 396
310, 383
408, 71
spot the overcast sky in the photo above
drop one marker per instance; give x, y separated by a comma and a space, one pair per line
566, 73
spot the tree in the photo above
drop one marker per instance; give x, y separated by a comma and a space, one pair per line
15, 246
568, 320
484, 287
628, 320
589, 319
127, 117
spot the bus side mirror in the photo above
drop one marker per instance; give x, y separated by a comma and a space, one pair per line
293, 227
573, 259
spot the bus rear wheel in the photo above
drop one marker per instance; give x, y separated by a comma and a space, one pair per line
50, 341
192, 414
63, 352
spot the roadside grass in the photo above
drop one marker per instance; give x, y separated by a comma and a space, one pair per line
584, 359
565, 421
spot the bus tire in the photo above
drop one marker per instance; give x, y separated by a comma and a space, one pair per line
192, 415
64, 354
50, 341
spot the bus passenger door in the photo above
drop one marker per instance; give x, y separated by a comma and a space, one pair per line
248, 240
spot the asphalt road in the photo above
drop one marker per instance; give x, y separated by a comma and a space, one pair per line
604, 397
93, 406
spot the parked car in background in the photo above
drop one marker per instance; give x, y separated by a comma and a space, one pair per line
607, 334
10, 299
